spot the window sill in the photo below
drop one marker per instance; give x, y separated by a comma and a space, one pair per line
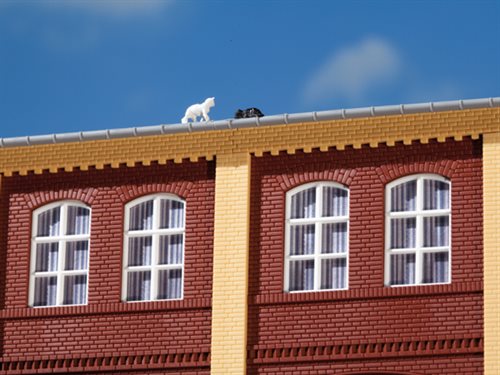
108, 308
364, 293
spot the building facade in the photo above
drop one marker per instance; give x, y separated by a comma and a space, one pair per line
356, 241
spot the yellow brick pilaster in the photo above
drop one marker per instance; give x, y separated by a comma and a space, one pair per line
230, 268
491, 192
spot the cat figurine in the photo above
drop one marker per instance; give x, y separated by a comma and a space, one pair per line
199, 110
247, 113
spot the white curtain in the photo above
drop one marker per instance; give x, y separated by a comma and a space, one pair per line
139, 251
77, 255
45, 291
301, 239
333, 273
335, 202
436, 195
141, 216
301, 275
170, 284
304, 204
171, 214
75, 290
402, 269
139, 286
403, 197
436, 231
48, 223
436, 267
46, 257
78, 220
334, 238
171, 249
403, 233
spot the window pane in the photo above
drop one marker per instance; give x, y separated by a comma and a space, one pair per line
171, 249
75, 290
301, 239
334, 202
402, 269
139, 251
170, 284
48, 223
304, 204
301, 275
76, 255
436, 231
139, 286
141, 216
403, 234
403, 197
436, 195
333, 273
46, 257
78, 220
172, 214
334, 238
435, 268
45, 291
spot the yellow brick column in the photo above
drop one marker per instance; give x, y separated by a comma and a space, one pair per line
230, 272
491, 192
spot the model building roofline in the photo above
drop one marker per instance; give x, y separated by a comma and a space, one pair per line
294, 118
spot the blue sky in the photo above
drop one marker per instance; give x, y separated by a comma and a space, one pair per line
72, 65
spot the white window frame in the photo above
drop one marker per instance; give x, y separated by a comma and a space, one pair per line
62, 239
155, 233
317, 221
419, 214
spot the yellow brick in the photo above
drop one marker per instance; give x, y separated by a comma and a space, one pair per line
288, 138
491, 220
230, 269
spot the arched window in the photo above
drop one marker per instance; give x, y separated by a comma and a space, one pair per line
418, 220
60, 254
317, 237
153, 260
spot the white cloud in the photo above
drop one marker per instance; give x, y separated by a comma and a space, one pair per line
113, 8
353, 72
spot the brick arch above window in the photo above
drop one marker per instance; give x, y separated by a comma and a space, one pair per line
38, 199
129, 193
390, 172
288, 181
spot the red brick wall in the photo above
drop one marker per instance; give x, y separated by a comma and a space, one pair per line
107, 326
368, 312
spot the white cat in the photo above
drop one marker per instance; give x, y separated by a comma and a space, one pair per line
197, 110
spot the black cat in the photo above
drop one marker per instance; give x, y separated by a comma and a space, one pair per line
247, 113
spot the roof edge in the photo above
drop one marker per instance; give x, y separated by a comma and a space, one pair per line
339, 114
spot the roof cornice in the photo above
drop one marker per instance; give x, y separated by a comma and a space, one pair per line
321, 131
294, 118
